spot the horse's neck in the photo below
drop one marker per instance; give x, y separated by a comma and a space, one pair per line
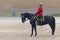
29, 16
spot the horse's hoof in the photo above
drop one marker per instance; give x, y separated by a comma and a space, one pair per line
31, 35
35, 34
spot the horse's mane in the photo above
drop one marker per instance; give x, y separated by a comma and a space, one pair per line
28, 14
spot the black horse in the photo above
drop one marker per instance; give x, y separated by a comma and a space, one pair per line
47, 20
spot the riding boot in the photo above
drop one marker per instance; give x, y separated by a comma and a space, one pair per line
42, 18
38, 21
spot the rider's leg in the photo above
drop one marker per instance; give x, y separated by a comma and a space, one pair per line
38, 20
42, 18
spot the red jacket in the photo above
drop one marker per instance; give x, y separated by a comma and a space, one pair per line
40, 11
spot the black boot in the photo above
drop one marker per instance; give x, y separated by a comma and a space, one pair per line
38, 22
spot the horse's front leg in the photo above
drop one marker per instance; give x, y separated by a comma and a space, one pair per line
35, 31
32, 22
32, 30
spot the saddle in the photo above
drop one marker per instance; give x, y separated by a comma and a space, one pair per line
39, 20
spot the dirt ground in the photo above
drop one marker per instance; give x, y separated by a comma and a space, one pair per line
13, 29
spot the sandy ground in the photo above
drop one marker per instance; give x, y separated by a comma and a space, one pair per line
12, 29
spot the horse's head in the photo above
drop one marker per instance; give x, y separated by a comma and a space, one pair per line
23, 18
26, 15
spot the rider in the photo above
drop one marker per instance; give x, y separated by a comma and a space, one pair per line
39, 13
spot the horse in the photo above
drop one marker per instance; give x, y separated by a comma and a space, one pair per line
47, 20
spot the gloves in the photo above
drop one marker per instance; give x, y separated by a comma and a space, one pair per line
35, 17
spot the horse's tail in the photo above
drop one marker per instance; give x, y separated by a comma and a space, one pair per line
53, 21
53, 26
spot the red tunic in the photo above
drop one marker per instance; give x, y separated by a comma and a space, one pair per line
40, 11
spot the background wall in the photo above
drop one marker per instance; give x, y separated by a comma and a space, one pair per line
29, 3
34, 3
10, 7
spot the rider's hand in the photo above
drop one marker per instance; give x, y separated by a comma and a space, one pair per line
35, 17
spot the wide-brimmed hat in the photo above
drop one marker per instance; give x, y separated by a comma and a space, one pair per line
41, 4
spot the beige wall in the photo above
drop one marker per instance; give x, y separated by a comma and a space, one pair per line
5, 4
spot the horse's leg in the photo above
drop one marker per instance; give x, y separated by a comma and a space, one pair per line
35, 30
32, 31
32, 22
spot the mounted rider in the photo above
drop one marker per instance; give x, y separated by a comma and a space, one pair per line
39, 13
